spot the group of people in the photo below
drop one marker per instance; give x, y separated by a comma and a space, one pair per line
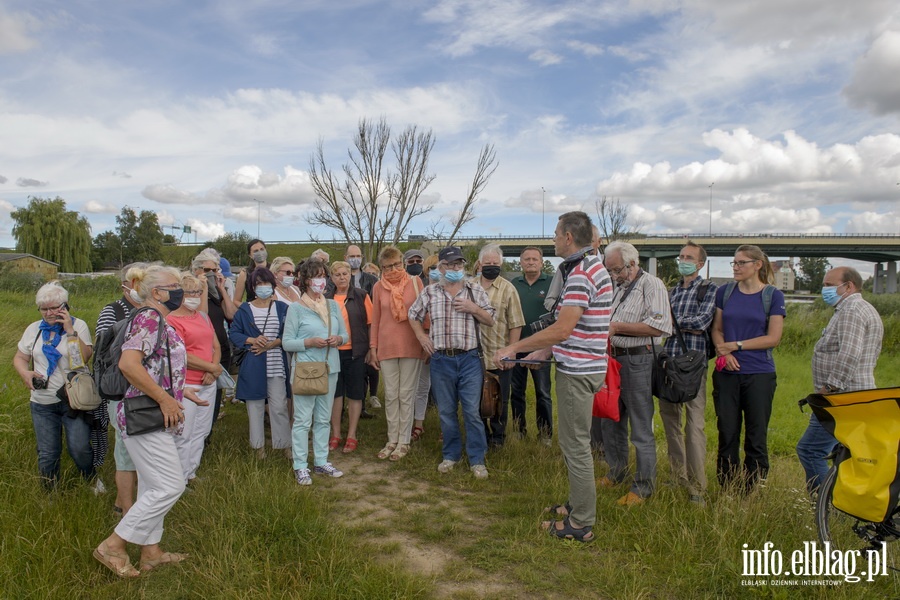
430, 330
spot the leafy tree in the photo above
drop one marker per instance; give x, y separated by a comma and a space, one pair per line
46, 229
813, 269
140, 235
233, 246
373, 205
106, 251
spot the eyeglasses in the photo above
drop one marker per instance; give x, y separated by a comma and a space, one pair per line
740, 264
288, 273
50, 308
618, 271
432, 267
174, 287
455, 265
195, 294
212, 270
392, 266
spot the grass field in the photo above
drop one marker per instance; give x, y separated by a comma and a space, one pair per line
402, 530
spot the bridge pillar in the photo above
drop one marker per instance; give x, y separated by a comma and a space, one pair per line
651, 264
876, 279
891, 283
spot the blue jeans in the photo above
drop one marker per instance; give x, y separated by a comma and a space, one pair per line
49, 421
543, 402
456, 380
815, 444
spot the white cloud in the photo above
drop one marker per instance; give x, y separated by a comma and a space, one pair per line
168, 194
207, 231
872, 222
585, 48
96, 207
545, 58
250, 183
15, 33
876, 84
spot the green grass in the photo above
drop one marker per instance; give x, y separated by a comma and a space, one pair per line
403, 530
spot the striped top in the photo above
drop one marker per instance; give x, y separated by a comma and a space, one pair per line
588, 287
266, 320
647, 303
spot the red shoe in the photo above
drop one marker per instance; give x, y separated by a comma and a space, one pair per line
333, 443
350, 446
417, 433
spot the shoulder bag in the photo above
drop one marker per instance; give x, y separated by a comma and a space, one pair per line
142, 413
311, 378
677, 379
491, 402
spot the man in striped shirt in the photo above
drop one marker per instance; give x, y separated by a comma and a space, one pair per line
456, 307
640, 313
577, 340
843, 361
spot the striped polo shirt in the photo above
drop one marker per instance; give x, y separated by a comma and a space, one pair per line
588, 287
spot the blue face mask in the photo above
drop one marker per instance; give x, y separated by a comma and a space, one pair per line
687, 268
454, 276
434, 275
264, 292
830, 295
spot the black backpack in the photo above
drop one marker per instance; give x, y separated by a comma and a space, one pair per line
111, 384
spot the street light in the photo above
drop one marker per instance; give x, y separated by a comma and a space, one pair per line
543, 193
710, 207
259, 204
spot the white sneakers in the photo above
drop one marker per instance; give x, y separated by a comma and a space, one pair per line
446, 466
374, 402
480, 472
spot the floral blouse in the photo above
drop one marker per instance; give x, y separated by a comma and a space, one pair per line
142, 336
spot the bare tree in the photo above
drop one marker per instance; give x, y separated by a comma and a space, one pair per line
612, 220
372, 205
487, 164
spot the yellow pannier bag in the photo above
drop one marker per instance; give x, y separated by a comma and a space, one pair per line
867, 424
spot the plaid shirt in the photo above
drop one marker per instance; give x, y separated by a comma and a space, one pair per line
691, 314
450, 329
845, 355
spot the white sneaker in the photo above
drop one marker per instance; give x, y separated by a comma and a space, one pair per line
374, 402
480, 471
98, 487
303, 477
446, 466
328, 469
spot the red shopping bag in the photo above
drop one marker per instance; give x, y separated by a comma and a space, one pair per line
606, 400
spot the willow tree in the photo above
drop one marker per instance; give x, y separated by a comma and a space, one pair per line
46, 229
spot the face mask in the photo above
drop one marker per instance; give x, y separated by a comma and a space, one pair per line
454, 276
260, 256
264, 292
317, 285
687, 268
434, 275
175, 298
192, 303
211, 285
134, 295
490, 272
414, 269
354, 263
287, 281
830, 295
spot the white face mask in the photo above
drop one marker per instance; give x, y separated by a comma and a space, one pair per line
287, 281
318, 284
192, 303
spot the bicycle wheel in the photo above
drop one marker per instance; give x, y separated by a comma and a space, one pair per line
846, 533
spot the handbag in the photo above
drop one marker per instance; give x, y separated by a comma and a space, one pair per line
311, 378
677, 379
82, 391
142, 413
606, 399
491, 406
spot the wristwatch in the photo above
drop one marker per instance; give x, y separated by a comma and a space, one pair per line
740, 346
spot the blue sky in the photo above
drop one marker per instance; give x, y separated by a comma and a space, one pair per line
195, 109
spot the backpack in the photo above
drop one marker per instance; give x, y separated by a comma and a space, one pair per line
767, 294
111, 383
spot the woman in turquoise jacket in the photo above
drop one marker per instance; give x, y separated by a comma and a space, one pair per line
307, 333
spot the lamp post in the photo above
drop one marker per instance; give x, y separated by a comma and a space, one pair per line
543, 193
259, 204
710, 207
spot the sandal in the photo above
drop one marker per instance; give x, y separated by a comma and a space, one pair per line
567, 532
401, 451
386, 451
166, 558
350, 446
559, 510
333, 443
417, 433
126, 570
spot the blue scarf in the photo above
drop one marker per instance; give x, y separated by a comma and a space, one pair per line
53, 355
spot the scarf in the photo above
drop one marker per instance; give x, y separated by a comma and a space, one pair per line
320, 306
396, 287
53, 355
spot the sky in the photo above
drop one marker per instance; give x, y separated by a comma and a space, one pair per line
784, 115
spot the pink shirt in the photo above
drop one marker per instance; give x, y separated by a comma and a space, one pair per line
390, 338
198, 334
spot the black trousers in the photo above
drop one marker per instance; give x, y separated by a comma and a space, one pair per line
743, 400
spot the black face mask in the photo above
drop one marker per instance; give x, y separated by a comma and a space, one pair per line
211, 286
490, 272
175, 298
414, 269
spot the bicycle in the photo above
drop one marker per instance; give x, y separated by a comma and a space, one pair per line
865, 516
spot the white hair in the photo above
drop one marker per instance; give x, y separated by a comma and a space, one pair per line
494, 249
628, 252
51, 293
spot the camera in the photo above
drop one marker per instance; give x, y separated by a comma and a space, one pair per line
39, 383
543, 322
